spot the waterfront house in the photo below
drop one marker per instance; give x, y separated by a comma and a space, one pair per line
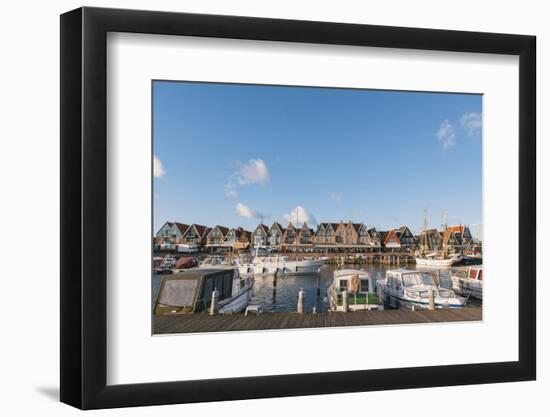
290, 234
216, 236
325, 234
390, 241
170, 235
238, 238
375, 239
195, 235
456, 238
305, 235
260, 235
406, 238
347, 233
363, 236
276, 233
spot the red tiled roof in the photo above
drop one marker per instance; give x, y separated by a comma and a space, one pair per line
389, 235
182, 227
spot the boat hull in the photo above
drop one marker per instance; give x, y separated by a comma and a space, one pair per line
282, 268
238, 302
437, 263
399, 301
468, 286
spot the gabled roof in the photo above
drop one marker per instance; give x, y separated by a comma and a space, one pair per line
263, 227
245, 234
357, 226
223, 230
389, 235
402, 230
169, 224
290, 226
278, 225
201, 230
181, 227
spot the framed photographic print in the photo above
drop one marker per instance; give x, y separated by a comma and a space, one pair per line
258, 207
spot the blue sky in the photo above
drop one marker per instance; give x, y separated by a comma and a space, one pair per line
229, 154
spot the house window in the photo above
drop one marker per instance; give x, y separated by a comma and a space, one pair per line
343, 285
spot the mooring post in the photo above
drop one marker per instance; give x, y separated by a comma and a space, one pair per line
345, 301
214, 303
301, 301
431, 300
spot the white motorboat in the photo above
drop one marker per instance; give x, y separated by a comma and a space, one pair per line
471, 283
406, 288
191, 291
213, 261
357, 287
278, 264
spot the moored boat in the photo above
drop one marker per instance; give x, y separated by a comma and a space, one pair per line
435, 261
279, 264
433, 255
402, 288
191, 291
471, 283
353, 290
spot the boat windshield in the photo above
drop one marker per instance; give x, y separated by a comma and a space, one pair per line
412, 278
178, 293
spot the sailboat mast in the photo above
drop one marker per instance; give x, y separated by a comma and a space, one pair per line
445, 234
425, 238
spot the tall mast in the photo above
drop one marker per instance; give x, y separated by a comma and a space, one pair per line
445, 236
425, 239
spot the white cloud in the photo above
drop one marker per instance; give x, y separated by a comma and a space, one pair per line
158, 169
299, 215
254, 172
245, 211
471, 122
336, 197
446, 135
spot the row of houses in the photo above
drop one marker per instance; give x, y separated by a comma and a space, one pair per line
342, 235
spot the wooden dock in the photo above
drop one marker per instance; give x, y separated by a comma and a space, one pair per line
203, 322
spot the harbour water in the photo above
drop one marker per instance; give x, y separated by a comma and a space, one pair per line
281, 294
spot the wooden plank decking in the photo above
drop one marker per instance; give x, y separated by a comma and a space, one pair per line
202, 322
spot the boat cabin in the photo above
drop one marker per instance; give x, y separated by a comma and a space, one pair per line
475, 273
399, 278
352, 281
359, 287
191, 291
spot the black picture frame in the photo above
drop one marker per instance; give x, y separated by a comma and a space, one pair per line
84, 207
